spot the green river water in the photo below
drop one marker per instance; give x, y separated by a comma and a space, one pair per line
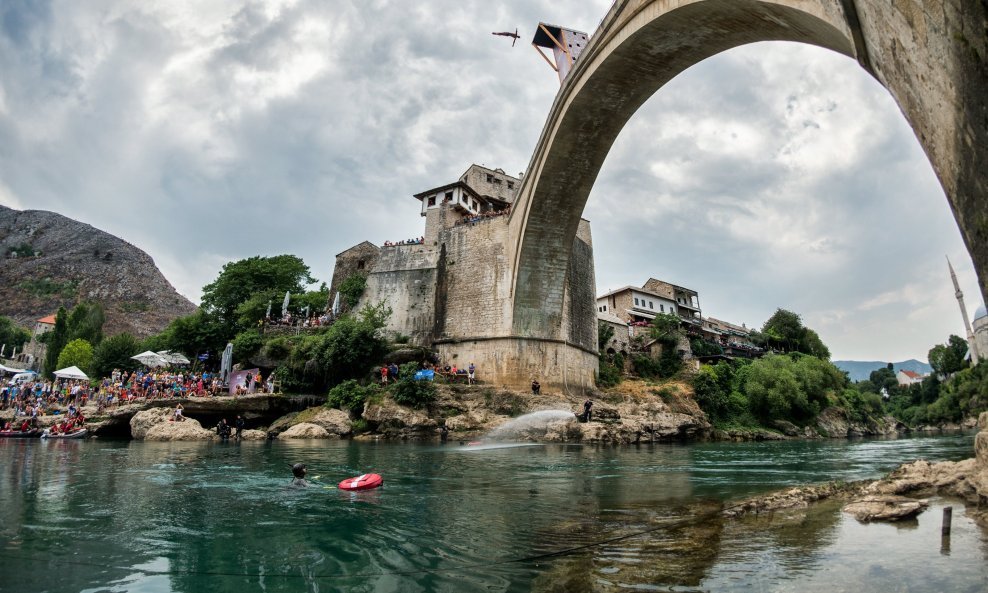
95, 516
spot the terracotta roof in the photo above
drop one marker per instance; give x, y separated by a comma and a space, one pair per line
50, 320
911, 374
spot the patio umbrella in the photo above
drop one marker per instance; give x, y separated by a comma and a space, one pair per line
284, 305
227, 362
173, 357
150, 359
336, 304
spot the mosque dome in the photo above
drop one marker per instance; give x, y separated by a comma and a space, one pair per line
981, 312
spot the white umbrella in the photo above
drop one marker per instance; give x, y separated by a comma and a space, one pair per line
150, 359
336, 304
284, 305
173, 357
268, 314
71, 373
227, 362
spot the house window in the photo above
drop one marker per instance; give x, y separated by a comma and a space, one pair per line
662, 308
490, 178
432, 200
636, 301
511, 185
650, 305
449, 197
360, 265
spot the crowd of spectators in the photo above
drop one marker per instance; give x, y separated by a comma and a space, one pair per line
61, 396
290, 320
419, 241
470, 219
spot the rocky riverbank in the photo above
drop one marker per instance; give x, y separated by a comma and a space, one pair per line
897, 495
633, 412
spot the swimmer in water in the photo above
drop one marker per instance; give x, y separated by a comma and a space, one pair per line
298, 471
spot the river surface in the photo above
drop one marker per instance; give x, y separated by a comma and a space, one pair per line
95, 516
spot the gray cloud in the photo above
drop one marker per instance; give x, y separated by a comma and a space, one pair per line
772, 175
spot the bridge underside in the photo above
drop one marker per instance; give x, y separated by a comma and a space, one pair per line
930, 56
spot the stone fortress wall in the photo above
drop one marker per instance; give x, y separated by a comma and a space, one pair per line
453, 294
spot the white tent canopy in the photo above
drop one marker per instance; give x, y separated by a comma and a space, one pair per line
4, 369
173, 357
71, 373
150, 359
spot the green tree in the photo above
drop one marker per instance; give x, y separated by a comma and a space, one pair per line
784, 331
239, 281
86, 323
13, 335
774, 391
192, 334
350, 396
409, 392
115, 353
56, 340
78, 353
605, 331
351, 290
349, 349
884, 378
665, 327
947, 359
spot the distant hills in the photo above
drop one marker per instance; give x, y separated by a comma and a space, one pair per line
859, 370
48, 260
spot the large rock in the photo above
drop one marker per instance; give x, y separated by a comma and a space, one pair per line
187, 430
142, 421
157, 424
981, 449
253, 435
885, 508
399, 421
336, 422
305, 430
921, 477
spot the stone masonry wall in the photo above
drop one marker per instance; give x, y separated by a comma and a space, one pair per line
349, 263
579, 305
477, 280
404, 277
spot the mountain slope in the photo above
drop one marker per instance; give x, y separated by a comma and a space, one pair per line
48, 260
859, 370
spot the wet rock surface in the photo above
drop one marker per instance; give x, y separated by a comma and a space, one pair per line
158, 424
306, 430
885, 508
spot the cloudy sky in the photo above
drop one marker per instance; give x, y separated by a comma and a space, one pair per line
205, 131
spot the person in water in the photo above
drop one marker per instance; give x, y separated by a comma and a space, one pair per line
298, 471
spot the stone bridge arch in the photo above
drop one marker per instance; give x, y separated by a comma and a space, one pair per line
929, 55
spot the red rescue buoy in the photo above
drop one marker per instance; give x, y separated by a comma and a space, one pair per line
364, 482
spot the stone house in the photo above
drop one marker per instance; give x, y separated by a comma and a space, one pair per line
907, 378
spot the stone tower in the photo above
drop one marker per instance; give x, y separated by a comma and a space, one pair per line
975, 357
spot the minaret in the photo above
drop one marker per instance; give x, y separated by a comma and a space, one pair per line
975, 357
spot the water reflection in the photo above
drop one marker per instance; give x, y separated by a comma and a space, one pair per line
97, 516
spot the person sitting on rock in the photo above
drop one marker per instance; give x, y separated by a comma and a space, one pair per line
298, 471
178, 413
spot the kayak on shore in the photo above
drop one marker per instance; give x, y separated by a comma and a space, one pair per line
72, 435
